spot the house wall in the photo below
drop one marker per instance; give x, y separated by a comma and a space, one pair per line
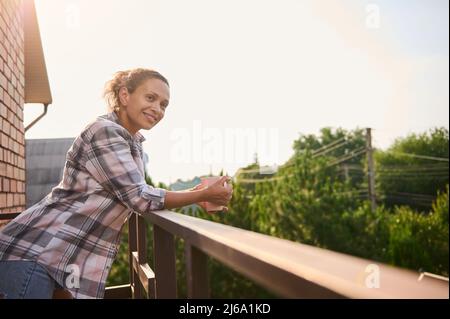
12, 133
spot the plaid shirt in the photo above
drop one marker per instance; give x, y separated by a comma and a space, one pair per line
74, 232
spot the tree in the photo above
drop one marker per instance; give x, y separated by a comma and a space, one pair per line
403, 179
307, 200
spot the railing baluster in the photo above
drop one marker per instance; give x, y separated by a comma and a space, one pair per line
132, 242
141, 240
165, 270
142, 253
196, 272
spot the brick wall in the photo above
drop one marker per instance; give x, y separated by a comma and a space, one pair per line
12, 134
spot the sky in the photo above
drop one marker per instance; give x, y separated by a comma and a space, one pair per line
249, 76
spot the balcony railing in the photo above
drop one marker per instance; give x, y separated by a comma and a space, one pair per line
286, 268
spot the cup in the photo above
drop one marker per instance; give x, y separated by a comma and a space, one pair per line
205, 182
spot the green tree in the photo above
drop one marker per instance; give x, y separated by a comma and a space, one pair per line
403, 179
309, 200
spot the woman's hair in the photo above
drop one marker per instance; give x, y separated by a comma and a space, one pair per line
130, 79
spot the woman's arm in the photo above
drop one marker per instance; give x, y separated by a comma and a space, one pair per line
183, 198
217, 193
109, 161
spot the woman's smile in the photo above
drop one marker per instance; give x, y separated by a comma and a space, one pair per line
150, 117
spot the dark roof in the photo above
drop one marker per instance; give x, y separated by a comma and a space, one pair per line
45, 160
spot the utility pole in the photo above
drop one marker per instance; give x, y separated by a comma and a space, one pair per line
345, 166
347, 176
371, 169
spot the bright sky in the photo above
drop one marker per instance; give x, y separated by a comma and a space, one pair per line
249, 75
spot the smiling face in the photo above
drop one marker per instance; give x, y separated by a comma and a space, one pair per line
145, 107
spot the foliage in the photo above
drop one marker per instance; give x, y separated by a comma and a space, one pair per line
309, 200
406, 180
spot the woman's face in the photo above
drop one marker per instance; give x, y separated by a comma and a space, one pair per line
145, 107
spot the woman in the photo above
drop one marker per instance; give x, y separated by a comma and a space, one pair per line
70, 238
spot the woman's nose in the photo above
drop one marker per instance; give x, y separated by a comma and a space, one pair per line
160, 112
158, 109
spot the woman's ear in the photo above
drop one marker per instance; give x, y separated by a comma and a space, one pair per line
124, 96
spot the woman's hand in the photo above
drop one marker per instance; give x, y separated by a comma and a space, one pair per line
217, 193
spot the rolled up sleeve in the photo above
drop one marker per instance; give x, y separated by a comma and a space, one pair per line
111, 164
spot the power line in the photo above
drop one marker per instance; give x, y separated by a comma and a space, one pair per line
410, 200
409, 196
317, 152
413, 173
335, 162
348, 167
441, 166
415, 195
324, 147
442, 159
330, 149
431, 170
363, 191
347, 157
423, 173
414, 177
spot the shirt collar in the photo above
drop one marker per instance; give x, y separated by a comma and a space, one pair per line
112, 116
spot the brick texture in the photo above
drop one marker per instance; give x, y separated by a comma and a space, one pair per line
12, 134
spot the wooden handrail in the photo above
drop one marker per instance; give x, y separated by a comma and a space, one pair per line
289, 269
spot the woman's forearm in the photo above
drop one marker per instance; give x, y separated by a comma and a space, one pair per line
183, 198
